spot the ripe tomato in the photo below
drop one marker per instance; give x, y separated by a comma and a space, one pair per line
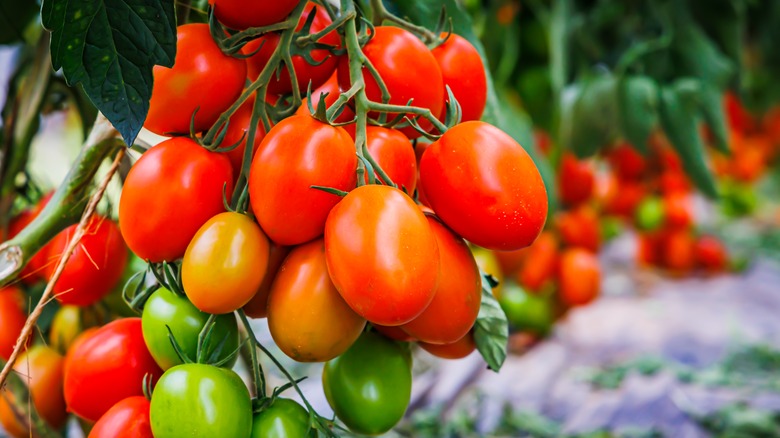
395, 333
455, 305
202, 78
623, 197
674, 181
579, 277
197, 400
540, 264
488, 263
648, 249
68, 323
711, 254
106, 365
176, 172
308, 319
33, 271
382, 254
576, 179
627, 162
580, 227
283, 418
165, 309
237, 129
395, 154
298, 153
456, 350
527, 311
678, 251
678, 210
41, 369
463, 71
316, 74
229, 254
331, 91
484, 186
257, 307
395, 53
240, 15
96, 265
128, 418
369, 386
13, 314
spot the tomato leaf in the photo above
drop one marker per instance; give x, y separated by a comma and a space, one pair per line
637, 109
491, 330
711, 104
110, 48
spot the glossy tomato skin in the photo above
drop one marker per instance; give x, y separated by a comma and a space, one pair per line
456, 350
165, 309
106, 365
370, 385
382, 254
579, 277
576, 179
176, 172
308, 319
96, 265
41, 369
305, 72
128, 418
284, 418
202, 78
463, 71
395, 155
395, 53
197, 400
484, 186
297, 153
13, 314
225, 263
257, 307
240, 15
455, 305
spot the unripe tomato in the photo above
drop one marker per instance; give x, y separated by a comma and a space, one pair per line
176, 172
240, 15
13, 314
106, 365
196, 400
540, 264
128, 418
202, 78
455, 305
711, 254
579, 277
257, 307
527, 311
580, 227
41, 369
307, 317
679, 210
369, 386
395, 155
96, 265
463, 71
382, 254
488, 263
67, 324
283, 418
298, 153
396, 333
484, 186
576, 179
456, 350
650, 214
225, 263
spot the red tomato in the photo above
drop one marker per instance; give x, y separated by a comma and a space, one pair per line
395, 333
257, 307
738, 117
648, 251
94, 268
33, 271
484, 186
107, 365
678, 251
623, 197
627, 163
13, 315
382, 254
456, 350
463, 71
237, 130
331, 91
576, 179
674, 181
541, 263
128, 418
395, 54
298, 153
456, 302
305, 72
678, 210
240, 14
202, 78
395, 154
711, 254
175, 173
579, 277
580, 227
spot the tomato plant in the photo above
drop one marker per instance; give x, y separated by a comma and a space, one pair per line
128, 418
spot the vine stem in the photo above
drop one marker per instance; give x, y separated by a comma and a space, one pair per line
81, 229
381, 14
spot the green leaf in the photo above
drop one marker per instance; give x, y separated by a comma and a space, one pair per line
637, 109
711, 100
15, 15
110, 48
588, 114
491, 330
696, 54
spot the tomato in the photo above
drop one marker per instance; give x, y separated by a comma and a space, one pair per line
395, 53
510, 261
678, 251
106, 365
463, 71
484, 186
627, 162
580, 227
541, 263
456, 350
527, 311
316, 74
579, 277
395, 333
41, 369
165, 309
330, 89
738, 117
488, 263
650, 214
738, 199
257, 307
711, 254
238, 130
33, 271
395, 155
68, 323
648, 249
576, 179
674, 181
13, 314
298, 153
382, 254
225, 263
623, 197
369, 386
202, 78
94, 268
240, 15
197, 400
175, 173
679, 211
307, 317
456, 302
128, 418
283, 418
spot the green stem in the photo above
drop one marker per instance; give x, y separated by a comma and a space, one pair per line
257, 372
356, 57
304, 39
381, 14
425, 112
202, 337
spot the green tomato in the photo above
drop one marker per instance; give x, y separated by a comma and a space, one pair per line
370, 385
285, 418
197, 400
611, 227
526, 311
165, 308
650, 214
737, 199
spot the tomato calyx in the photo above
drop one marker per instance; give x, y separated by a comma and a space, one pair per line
204, 339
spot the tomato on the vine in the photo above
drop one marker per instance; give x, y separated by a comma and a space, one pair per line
33, 271
576, 179
527, 311
173, 189
128, 418
238, 130
711, 253
68, 323
240, 14
541, 262
455, 350
257, 307
330, 89
678, 251
463, 71
283, 418
580, 227
395, 155
579, 277
13, 314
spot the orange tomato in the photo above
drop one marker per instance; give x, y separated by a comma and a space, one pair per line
540, 263
257, 307
13, 315
678, 210
579, 277
678, 251
580, 228
456, 350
